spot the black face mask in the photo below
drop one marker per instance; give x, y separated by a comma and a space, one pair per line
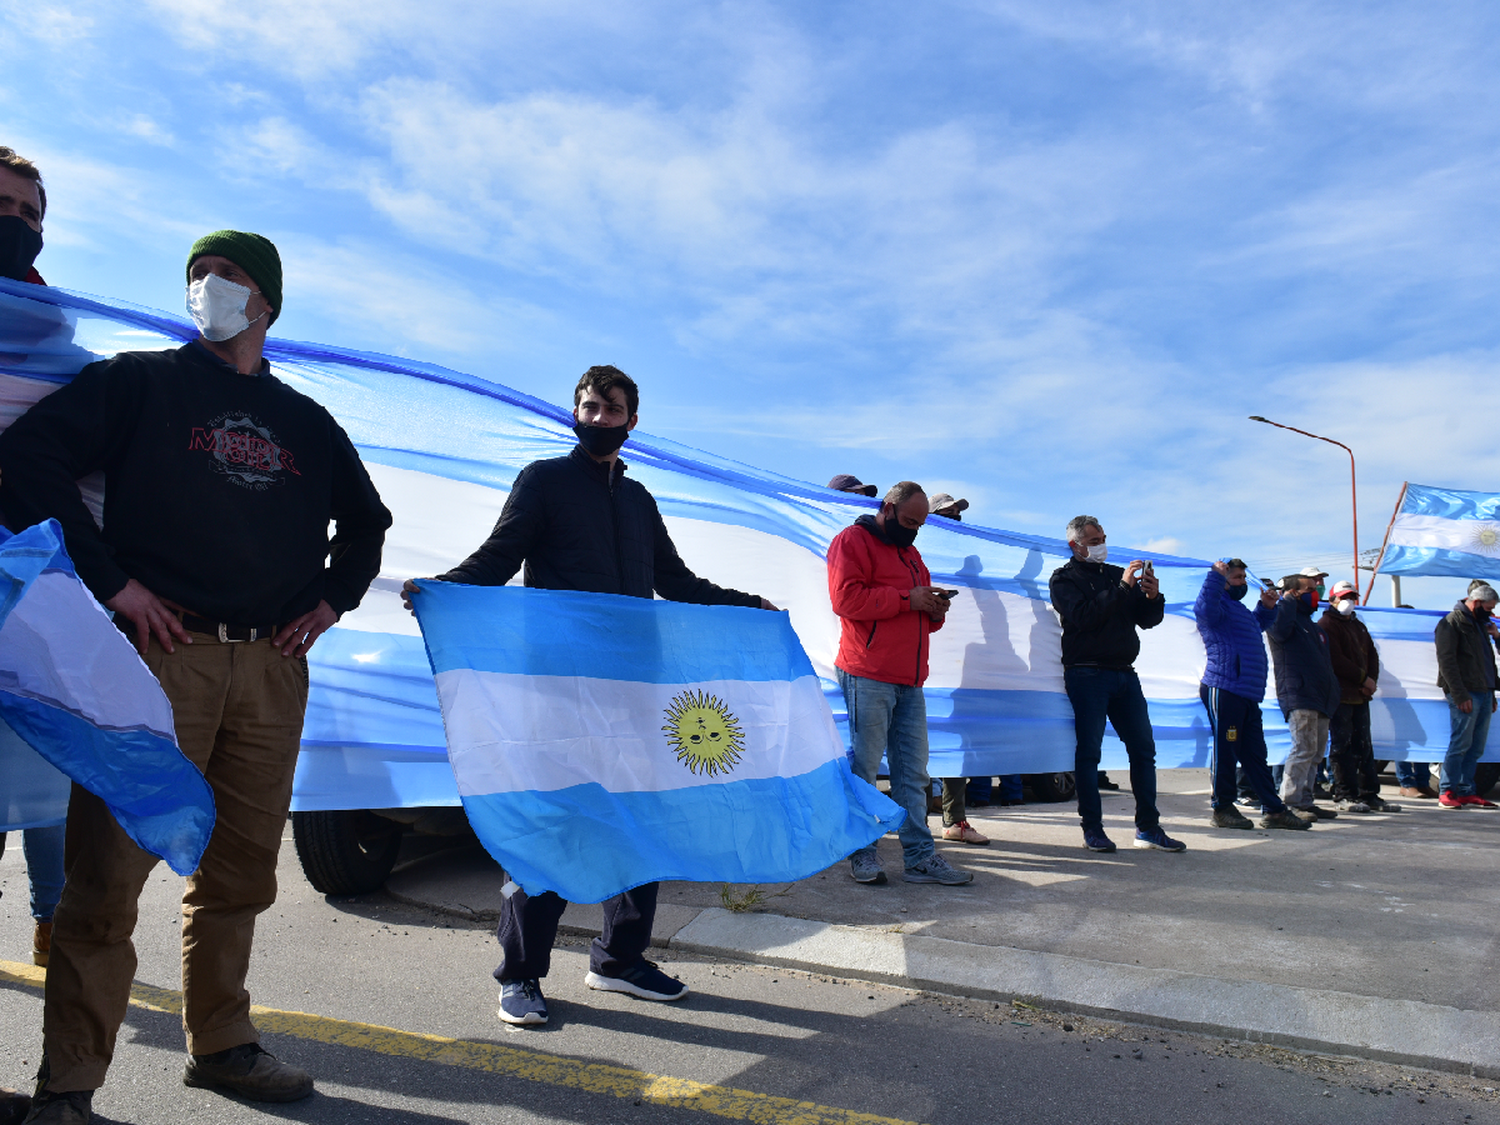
1238, 592
19, 246
898, 535
600, 441
1481, 613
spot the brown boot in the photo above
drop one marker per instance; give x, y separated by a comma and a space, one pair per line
41, 944
250, 1072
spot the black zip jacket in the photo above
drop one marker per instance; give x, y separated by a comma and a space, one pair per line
576, 524
219, 487
1305, 679
1100, 615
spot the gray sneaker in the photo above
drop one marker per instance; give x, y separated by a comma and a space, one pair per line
1380, 804
865, 868
936, 869
1345, 804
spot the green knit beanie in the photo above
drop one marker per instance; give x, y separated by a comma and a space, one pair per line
253, 253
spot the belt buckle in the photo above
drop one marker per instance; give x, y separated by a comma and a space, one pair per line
225, 638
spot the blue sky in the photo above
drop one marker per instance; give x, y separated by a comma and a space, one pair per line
1047, 256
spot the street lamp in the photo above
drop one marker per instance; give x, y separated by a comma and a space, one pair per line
1353, 495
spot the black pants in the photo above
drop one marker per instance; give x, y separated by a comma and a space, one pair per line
1352, 753
1239, 737
528, 927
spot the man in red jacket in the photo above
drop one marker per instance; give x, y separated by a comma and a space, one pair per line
887, 606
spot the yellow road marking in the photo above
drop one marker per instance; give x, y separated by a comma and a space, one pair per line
532, 1066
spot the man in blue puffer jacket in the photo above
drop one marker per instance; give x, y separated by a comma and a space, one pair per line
1233, 685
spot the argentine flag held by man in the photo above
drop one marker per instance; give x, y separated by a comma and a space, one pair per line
601, 742
1445, 532
74, 690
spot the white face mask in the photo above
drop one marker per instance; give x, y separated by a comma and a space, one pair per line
1346, 606
1098, 554
218, 307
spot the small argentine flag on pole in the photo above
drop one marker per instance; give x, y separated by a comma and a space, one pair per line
1444, 531
601, 742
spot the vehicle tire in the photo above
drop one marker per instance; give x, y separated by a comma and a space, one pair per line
1485, 776
1052, 786
346, 851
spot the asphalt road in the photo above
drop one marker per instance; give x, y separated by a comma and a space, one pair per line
751, 1043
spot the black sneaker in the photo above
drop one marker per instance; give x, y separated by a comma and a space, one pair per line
1096, 841
644, 980
76, 1107
249, 1071
1285, 818
1229, 817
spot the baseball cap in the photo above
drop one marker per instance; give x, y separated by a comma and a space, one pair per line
943, 500
1312, 572
1342, 588
848, 482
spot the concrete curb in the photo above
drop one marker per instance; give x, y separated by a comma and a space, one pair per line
1403, 1031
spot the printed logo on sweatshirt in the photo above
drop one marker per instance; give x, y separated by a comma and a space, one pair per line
244, 451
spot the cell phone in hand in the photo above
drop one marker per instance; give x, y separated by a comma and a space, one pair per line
946, 595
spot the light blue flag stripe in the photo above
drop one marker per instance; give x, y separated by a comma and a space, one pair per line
589, 845
604, 636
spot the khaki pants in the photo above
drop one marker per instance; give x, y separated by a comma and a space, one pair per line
238, 711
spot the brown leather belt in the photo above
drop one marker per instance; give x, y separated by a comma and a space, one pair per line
227, 634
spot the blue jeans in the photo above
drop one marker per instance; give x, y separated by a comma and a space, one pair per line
44, 868
1465, 743
1413, 775
891, 719
1098, 694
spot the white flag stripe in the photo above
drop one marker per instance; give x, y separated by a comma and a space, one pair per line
515, 733
1472, 537
98, 681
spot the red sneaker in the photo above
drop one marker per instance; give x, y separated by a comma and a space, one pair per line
1477, 802
1448, 801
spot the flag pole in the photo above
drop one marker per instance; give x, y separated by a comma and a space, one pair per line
1353, 489
1381, 558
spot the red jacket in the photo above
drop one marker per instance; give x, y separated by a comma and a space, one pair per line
880, 637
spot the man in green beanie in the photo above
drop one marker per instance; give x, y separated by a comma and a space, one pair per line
221, 483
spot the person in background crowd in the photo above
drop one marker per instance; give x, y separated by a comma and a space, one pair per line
956, 824
1466, 673
1306, 688
1101, 608
222, 484
23, 206
1356, 786
887, 608
848, 482
1234, 683
579, 523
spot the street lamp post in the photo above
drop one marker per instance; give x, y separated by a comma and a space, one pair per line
1353, 493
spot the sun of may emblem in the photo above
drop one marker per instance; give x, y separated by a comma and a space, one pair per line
706, 736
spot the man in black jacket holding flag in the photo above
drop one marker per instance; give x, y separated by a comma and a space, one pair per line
578, 523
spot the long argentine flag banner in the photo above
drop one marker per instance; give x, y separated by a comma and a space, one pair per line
1446, 532
77, 702
444, 447
601, 742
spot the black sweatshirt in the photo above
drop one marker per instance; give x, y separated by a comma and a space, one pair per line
577, 524
1100, 614
219, 487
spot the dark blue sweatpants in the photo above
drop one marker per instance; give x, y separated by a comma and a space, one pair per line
1238, 737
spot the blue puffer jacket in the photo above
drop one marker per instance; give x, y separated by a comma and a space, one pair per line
1304, 665
1231, 634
